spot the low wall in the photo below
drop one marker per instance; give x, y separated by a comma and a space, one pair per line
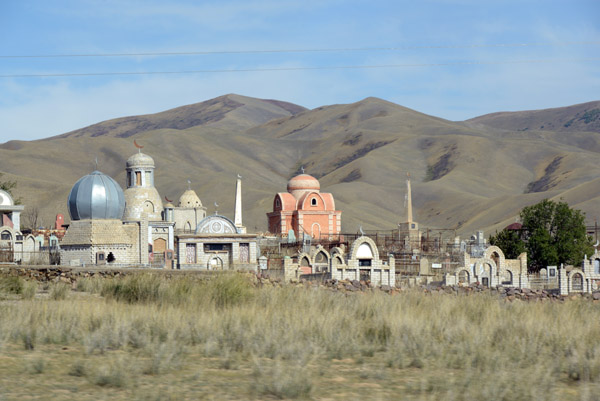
72, 274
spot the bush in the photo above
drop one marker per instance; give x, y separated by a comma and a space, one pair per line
112, 374
272, 378
59, 291
230, 289
142, 288
12, 285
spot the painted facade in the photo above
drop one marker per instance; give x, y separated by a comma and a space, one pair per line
305, 211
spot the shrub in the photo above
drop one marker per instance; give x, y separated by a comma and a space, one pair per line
133, 288
112, 374
59, 291
230, 289
12, 285
37, 365
78, 369
273, 378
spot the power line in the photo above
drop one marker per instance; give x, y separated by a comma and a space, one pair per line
346, 67
329, 50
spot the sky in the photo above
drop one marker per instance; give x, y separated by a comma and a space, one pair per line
451, 59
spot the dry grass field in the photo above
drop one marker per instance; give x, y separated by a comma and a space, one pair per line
146, 338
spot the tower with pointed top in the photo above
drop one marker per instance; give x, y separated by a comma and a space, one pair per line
409, 231
237, 214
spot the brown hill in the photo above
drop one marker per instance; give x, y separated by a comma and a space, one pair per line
576, 118
466, 175
228, 111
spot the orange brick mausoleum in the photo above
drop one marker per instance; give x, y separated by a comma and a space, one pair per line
305, 211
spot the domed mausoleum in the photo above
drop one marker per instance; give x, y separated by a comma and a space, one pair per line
189, 212
304, 210
96, 234
96, 196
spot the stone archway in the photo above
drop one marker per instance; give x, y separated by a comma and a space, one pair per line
577, 282
321, 261
506, 277
215, 263
463, 277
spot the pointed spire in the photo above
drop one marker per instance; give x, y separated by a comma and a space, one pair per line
409, 214
237, 213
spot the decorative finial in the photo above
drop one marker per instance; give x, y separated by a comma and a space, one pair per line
138, 146
302, 169
239, 177
408, 175
216, 208
189, 184
96, 163
361, 230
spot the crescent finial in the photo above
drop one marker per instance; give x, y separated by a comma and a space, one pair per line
138, 146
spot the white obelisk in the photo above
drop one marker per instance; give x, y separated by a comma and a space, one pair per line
237, 215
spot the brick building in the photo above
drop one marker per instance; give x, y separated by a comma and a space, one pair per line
305, 211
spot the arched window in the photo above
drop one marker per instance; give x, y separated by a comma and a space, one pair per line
148, 207
463, 277
364, 251
5, 236
277, 203
110, 258
496, 259
313, 202
577, 282
321, 257
507, 277
596, 266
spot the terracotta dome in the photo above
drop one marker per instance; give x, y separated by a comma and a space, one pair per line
189, 199
303, 182
140, 160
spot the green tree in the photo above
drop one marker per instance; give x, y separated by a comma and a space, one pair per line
510, 242
554, 234
8, 186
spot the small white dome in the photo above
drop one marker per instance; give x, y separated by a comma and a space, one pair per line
140, 160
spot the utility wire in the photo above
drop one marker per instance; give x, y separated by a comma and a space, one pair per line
346, 67
331, 50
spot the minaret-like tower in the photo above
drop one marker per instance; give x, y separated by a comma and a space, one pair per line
141, 197
409, 215
409, 230
237, 214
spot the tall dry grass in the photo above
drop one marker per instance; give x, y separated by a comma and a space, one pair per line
475, 347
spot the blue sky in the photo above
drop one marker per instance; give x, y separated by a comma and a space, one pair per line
424, 33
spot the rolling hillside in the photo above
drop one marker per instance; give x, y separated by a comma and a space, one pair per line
466, 176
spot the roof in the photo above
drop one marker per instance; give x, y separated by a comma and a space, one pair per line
514, 226
96, 196
189, 199
303, 182
140, 160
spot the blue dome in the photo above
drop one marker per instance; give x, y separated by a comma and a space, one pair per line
96, 196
